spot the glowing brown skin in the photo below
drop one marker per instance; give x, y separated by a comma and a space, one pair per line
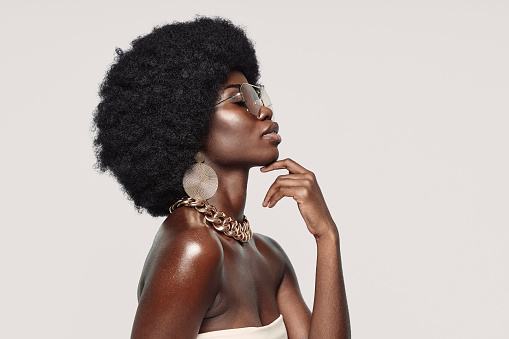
197, 280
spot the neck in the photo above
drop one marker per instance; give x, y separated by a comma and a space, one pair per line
231, 193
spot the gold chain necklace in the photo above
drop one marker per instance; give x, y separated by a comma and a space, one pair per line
227, 225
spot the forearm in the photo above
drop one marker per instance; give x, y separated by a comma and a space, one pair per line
330, 317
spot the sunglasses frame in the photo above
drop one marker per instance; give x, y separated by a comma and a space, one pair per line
258, 90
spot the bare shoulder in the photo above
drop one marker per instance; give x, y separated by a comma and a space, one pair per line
270, 248
180, 279
183, 244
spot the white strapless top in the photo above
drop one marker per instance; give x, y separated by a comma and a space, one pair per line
274, 330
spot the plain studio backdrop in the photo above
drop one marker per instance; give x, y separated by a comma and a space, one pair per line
399, 107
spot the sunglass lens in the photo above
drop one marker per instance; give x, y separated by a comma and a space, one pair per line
251, 98
265, 99
266, 102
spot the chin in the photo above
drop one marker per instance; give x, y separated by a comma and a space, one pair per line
273, 157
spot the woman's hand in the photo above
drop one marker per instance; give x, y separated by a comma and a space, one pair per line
301, 185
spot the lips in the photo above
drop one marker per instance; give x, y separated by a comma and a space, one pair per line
273, 128
271, 133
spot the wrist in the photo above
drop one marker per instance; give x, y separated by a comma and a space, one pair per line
331, 235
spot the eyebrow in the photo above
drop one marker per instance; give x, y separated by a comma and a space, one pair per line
233, 86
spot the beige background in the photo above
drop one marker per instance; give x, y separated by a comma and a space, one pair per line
399, 107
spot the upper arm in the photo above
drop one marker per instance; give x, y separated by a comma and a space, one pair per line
181, 283
296, 314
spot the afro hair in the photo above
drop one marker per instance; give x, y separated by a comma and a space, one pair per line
156, 103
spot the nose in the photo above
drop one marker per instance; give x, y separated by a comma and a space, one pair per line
265, 113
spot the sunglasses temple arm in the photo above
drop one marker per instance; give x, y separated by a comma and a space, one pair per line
233, 96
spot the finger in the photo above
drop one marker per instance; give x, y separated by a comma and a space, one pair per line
295, 192
288, 164
304, 179
283, 181
287, 180
296, 176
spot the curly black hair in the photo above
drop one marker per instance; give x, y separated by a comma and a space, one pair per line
157, 101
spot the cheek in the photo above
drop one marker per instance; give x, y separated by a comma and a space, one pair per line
230, 124
230, 138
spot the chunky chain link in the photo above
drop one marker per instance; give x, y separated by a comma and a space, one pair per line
227, 225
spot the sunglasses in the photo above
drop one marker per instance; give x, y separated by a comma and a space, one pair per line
253, 96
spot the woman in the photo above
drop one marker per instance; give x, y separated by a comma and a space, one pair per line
180, 116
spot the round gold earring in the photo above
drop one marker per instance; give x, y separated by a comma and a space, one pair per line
200, 181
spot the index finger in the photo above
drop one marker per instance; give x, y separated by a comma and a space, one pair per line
287, 163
